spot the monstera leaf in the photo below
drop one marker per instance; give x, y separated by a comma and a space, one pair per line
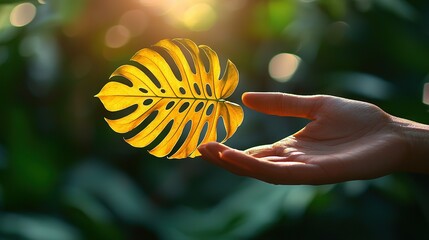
173, 85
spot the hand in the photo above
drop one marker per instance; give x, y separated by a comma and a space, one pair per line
346, 140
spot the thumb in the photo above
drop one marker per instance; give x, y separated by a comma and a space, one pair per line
283, 104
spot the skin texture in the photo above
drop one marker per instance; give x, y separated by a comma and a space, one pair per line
345, 140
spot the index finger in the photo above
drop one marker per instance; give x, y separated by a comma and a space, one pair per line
283, 104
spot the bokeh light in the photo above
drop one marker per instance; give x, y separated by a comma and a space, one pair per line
199, 17
283, 66
135, 21
426, 94
22, 14
117, 36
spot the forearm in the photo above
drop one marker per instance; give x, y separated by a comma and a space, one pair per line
416, 137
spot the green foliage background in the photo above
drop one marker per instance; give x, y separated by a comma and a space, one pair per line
65, 175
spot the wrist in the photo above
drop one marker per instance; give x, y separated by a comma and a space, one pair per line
416, 139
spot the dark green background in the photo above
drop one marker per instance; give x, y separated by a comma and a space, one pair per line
64, 174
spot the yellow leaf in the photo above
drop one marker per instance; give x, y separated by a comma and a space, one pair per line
178, 84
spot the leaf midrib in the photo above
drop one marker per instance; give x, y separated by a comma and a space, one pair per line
182, 98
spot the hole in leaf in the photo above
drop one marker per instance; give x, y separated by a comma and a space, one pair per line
147, 102
170, 61
148, 73
184, 106
203, 133
209, 110
161, 135
223, 64
208, 90
197, 89
184, 134
221, 131
199, 106
122, 80
143, 90
182, 90
187, 55
169, 105
142, 125
205, 60
122, 113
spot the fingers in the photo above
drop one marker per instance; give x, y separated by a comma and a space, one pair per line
271, 169
230, 159
282, 104
212, 152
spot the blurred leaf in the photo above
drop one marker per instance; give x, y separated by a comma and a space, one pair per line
400, 7
337, 9
36, 227
297, 200
5, 31
363, 84
241, 215
35, 171
43, 54
195, 97
273, 16
103, 192
3, 158
17, 1
68, 10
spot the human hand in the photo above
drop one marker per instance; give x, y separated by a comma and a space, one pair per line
346, 140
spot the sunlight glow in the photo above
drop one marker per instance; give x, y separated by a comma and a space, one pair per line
195, 15
117, 36
199, 17
283, 66
22, 14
